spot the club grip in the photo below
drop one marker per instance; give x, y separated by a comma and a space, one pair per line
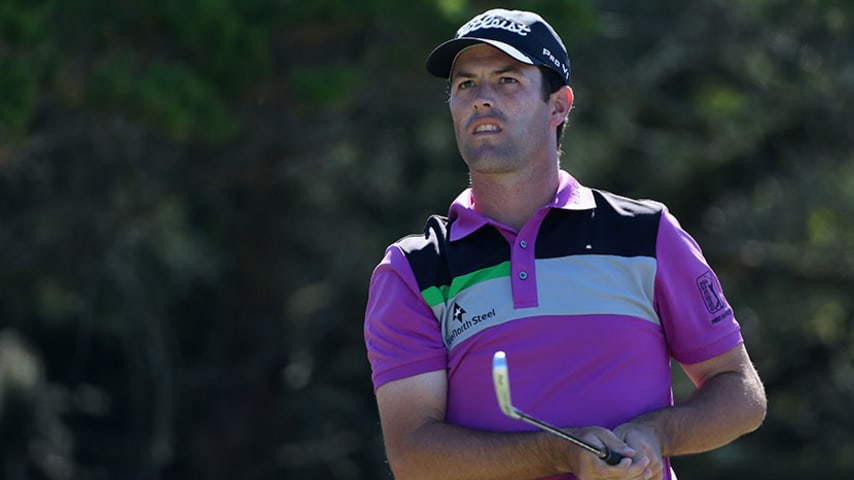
611, 457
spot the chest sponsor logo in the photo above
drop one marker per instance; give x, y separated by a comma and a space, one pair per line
458, 312
463, 322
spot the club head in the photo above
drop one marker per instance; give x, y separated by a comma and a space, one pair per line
501, 379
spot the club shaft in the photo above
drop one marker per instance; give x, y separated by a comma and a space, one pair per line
560, 433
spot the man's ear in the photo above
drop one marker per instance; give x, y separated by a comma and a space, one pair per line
562, 104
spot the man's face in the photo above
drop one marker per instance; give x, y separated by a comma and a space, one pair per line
500, 119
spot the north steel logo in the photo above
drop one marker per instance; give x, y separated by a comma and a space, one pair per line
457, 314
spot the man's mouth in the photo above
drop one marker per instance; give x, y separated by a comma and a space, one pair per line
487, 127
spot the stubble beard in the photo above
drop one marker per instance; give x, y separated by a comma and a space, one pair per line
492, 158
506, 155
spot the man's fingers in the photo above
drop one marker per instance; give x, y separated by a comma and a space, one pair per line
603, 437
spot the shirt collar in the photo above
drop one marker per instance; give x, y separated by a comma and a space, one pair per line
570, 195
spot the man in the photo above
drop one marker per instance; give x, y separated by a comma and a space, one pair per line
588, 293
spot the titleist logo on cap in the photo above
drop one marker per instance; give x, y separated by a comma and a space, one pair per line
487, 20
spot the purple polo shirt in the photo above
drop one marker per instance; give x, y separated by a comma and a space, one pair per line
588, 338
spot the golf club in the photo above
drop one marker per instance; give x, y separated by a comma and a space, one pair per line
501, 379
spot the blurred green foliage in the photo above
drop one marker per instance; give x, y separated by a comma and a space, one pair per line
193, 195
172, 97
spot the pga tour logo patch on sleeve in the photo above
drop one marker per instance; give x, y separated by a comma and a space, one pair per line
712, 296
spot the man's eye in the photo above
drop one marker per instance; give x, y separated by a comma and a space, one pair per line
507, 80
465, 84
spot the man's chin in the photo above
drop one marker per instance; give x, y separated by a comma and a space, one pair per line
491, 165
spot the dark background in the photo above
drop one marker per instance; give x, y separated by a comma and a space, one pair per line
193, 194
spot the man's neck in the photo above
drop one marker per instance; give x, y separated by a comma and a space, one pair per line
513, 198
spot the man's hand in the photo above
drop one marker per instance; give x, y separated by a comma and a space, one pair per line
642, 438
587, 466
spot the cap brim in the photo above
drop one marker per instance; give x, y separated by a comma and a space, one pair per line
441, 59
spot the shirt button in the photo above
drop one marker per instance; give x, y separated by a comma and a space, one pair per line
523, 244
523, 275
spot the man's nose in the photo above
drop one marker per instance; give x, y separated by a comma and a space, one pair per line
485, 98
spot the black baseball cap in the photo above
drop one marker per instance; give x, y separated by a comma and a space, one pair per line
524, 36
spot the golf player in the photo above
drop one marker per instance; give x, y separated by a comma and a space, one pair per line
590, 294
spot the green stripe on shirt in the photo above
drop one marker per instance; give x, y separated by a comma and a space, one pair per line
439, 294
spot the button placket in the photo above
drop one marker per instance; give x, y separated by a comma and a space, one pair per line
524, 274
523, 244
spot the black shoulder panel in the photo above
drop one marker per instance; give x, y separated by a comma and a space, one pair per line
436, 260
427, 253
617, 226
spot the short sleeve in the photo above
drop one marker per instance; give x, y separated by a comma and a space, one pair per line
401, 333
698, 321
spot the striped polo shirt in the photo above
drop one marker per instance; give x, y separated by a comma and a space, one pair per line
589, 300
